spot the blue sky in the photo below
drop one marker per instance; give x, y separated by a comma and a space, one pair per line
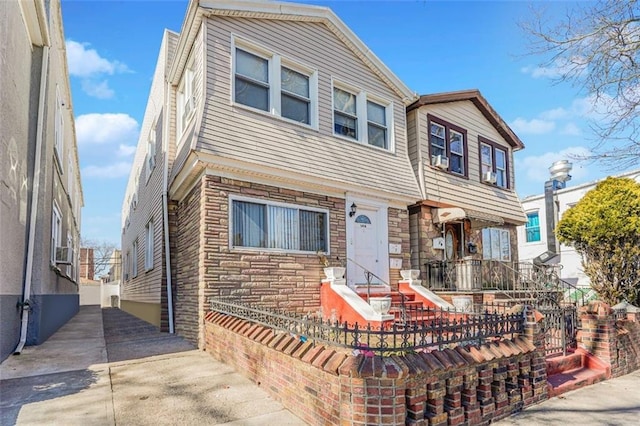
432, 46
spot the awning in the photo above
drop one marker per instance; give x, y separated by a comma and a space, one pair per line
452, 214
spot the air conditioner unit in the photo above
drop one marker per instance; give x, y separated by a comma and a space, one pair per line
64, 255
440, 161
489, 177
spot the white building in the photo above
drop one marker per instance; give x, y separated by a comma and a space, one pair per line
532, 237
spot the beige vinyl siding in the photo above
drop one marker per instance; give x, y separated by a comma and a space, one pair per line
413, 144
237, 133
169, 98
146, 287
469, 193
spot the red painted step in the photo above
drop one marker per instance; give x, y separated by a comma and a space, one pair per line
576, 378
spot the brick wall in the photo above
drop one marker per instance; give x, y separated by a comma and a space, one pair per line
617, 343
466, 385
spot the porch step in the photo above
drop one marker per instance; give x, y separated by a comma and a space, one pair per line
576, 378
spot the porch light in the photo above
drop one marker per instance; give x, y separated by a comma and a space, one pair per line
353, 210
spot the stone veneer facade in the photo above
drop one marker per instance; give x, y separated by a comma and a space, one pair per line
206, 266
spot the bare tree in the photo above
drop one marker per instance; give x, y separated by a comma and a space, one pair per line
102, 252
596, 47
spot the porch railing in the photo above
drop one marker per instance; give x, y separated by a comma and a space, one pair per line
524, 277
431, 329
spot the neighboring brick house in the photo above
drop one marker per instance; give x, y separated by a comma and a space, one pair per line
462, 154
40, 188
258, 154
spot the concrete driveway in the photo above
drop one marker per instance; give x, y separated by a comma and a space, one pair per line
105, 367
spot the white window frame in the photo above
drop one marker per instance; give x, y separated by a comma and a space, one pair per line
56, 231
151, 151
362, 121
185, 98
233, 198
58, 129
134, 259
149, 245
496, 244
70, 187
70, 245
127, 262
275, 64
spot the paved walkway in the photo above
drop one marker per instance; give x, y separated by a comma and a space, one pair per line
105, 367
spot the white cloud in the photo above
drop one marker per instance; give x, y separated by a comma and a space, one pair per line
532, 127
86, 62
125, 150
109, 129
535, 168
560, 68
554, 114
111, 171
100, 90
571, 129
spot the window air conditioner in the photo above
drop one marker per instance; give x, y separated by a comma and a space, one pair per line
440, 161
64, 255
489, 177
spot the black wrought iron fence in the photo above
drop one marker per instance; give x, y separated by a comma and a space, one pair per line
559, 325
422, 329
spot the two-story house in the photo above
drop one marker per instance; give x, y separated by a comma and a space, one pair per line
462, 156
283, 136
40, 188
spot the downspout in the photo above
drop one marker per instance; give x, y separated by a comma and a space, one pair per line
165, 216
26, 294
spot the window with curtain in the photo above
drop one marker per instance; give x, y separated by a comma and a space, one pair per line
532, 227
271, 226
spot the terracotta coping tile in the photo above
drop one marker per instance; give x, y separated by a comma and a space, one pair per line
367, 367
444, 359
292, 347
302, 349
487, 354
431, 361
403, 363
454, 356
322, 358
514, 348
253, 331
391, 369
495, 349
464, 352
311, 354
265, 336
525, 344
351, 365
477, 354
504, 348
283, 343
334, 363
417, 364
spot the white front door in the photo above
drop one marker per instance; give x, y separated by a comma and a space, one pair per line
367, 244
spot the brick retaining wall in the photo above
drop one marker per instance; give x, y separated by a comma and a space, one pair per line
323, 385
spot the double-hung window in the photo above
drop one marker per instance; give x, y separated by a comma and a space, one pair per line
496, 244
359, 117
266, 225
268, 82
494, 159
58, 128
56, 232
73, 261
151, 150
532, 227
186, 97
148, 252
134, 259
448, 141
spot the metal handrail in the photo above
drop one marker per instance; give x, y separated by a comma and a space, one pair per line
367, 275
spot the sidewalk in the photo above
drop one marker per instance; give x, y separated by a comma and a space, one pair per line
613, 402
125, 372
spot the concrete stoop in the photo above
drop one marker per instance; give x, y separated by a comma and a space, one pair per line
574, 371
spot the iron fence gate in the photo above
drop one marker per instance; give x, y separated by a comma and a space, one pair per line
560, 327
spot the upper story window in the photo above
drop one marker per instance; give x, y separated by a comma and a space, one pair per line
151, 150
149, 246
448, 146
361, 117
494, 163
262, 224
532, 227
56, 232
186, 97
134, 259
268, 82
58, 129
